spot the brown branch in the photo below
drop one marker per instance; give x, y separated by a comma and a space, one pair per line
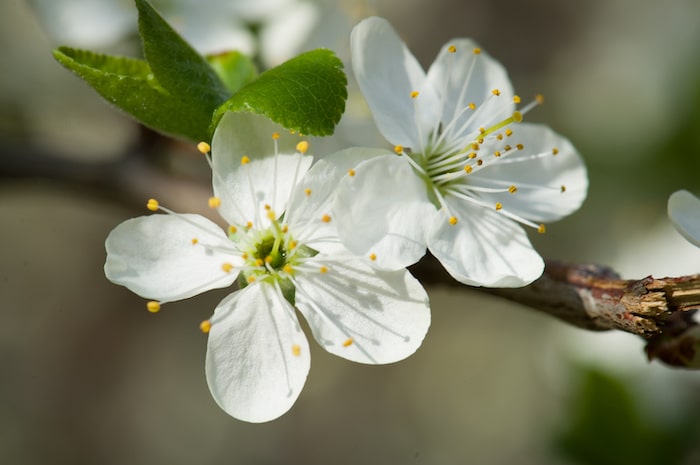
595, 298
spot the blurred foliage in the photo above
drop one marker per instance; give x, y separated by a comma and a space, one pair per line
607, 426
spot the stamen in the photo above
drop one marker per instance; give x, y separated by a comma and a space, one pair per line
326, 218
476, 51
452, 49
563, 188
251, 279
249, 224
287, 268
372, 256
227, 267
296, 350
303, 147
214, 202
541, 229
152, 205
204, 148
348, 342
516, 99
499, 206
351, 172
453, 220
519, 146
205, 326
195, 241
512, 189
245, 160
555, 151
275, 135
398, 149
323, 269
232, 229
496, 92
509, 132
153, 306
472, 106
414, 94
307, 191
468, 169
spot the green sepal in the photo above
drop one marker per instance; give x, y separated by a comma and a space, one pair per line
130, 85
234, 69
306, 94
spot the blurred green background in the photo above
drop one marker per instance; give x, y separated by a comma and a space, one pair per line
90, 377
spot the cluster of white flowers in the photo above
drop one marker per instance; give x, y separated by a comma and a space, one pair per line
331, 238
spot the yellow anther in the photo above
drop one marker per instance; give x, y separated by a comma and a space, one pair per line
509, 132
480, 162
326, 218
476, 51
307, 191
452, 49
517, 116
499, 206
496, 92
268, 259
152, 204
285, 228
249, 224
245, 160
251, 279
227, 267
516, 99
244, 256
453, 220
348, 342
296, 350
214, 202
287, 268
519, 146
267, 207
204, 148
372, 257
475, 146
480, 140
259, 262
499, 136
303, 146
351, 172
563, 188
512, 189
472, 155
541, 229
271, 215
323, 269
507, 148
496, 153
555, 151
539, 98
153, 306
195, 241
292, 245
398, 149
232, 229
414, 94
275, 135
472, 106
468, 169
205, 326
482, 130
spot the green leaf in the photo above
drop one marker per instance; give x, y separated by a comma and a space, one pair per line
176, 65
234, 69
130, 85
306, 94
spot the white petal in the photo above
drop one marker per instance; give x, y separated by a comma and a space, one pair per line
314, 197
244, 189
464, 77
484, 248
684, 212
362, 314
387, 73
155, 258
384, 211
257, 355
537, 173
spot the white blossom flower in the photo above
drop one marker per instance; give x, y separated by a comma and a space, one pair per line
282, 248
684, 212
466, 173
